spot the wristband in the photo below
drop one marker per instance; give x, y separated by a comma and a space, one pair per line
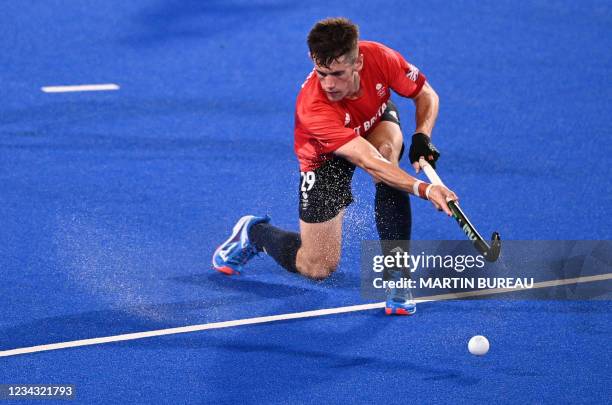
421, 189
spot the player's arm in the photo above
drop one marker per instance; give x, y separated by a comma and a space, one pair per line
361, 153
408, 81
426, 104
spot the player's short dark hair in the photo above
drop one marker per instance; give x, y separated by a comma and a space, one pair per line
331, 38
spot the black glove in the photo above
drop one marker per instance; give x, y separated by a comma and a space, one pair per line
422, 146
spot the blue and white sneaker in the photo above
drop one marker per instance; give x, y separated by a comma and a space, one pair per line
237, 249
400, 302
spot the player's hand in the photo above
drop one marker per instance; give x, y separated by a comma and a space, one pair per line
421, 147
440, 196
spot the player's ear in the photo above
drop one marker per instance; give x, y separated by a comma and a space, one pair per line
359, 62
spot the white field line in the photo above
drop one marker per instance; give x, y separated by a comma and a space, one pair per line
284, 317
81, 87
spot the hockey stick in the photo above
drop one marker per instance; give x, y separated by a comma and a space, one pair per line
490, 252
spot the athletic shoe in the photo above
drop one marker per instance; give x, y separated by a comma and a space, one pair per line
400, 302
232, 255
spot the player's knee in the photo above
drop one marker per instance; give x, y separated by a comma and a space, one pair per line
386, 150
318, 268
320, 273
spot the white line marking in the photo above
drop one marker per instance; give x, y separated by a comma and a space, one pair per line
284, 317
81, 87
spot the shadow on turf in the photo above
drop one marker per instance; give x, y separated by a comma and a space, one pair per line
342, 280
345, 361
296, 351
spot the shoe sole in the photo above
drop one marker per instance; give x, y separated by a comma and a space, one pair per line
398, 311
226, 269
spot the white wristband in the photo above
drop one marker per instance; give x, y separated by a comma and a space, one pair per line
421, 189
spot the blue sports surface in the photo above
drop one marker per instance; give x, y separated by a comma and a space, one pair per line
111, 203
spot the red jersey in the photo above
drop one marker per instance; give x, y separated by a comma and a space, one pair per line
322, 126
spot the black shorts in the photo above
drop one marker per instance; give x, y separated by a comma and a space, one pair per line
325, 191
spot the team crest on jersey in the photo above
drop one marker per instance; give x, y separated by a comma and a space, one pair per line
347, 119
413, 72
380, 90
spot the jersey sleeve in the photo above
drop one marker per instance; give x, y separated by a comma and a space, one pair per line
404, 78
324, 126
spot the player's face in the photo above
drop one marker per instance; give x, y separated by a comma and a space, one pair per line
341, 78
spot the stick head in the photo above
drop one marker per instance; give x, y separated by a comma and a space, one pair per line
493, 253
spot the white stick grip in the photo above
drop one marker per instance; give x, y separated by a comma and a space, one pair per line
430, 173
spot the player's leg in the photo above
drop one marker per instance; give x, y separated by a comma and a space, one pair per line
324, 193
392, 208
315, 252
319, 254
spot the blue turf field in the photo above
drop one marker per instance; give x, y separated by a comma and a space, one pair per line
111, 203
